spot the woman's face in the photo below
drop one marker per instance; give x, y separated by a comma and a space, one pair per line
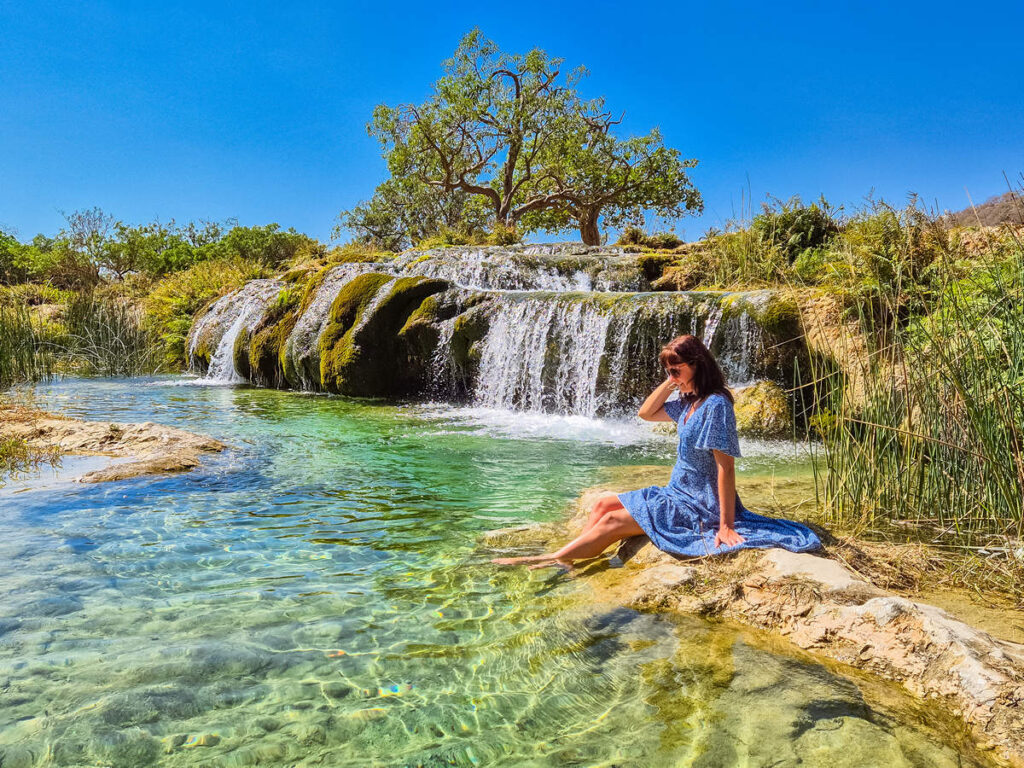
681, 375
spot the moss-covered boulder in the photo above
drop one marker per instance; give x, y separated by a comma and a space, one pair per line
361, 352
763, 410
265, 347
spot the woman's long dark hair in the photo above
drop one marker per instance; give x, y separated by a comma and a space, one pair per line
708, 378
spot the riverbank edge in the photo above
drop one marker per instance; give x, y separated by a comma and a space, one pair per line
821, 607
150, 448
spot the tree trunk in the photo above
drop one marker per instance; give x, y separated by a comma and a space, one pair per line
589, 231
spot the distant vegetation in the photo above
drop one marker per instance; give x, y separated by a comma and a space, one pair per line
124, 295
999, 209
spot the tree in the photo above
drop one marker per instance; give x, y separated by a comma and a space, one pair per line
270, 246
597, 176
511, 130
405, 211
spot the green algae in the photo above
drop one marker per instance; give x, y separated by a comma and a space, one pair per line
364, 356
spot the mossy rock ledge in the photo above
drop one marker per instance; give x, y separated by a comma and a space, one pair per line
763, 410
361, 352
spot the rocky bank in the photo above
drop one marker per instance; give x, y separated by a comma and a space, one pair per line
823, 607
151, 448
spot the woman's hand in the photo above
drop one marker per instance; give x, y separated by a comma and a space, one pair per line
727, 537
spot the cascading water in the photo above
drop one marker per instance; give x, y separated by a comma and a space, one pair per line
243, 309
588, 355
526, 269
585, 353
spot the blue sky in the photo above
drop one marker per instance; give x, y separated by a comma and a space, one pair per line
257, 111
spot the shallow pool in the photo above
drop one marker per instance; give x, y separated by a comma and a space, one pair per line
316, 595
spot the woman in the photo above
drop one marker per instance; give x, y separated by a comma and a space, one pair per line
685, 517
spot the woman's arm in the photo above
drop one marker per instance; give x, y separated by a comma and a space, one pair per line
726, 501
653, 407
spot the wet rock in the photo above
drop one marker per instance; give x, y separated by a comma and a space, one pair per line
337, 691
156, 449
203, 740
17, 756
147, 706
267, 724
55, 606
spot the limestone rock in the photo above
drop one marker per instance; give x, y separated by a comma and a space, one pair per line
156, 449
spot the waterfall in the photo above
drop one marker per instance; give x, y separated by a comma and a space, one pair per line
711, 326
243, 308
737, 356
561, 350
442, 367
531, 268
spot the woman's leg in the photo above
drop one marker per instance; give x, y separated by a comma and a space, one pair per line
606, 503
613, 526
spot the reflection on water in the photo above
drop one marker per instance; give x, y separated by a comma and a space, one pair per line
315, 596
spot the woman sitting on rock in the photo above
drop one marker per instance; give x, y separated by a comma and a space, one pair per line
685, 517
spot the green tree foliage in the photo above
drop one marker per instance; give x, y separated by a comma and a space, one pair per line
268, 246
94, 248
405, 211
13, 268
511, 130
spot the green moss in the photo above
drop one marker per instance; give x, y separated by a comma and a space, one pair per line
297, 275
364, 355
653, 264
470, 328
265, 353
763, 410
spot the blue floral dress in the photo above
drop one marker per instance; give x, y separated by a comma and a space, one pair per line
683, 517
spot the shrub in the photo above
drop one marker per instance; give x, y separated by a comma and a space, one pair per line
502, 235
663, 241
268, 246
795, 227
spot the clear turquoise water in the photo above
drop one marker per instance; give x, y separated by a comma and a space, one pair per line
317, 595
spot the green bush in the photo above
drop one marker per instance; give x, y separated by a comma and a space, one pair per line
662, 241
268, 246
794, 227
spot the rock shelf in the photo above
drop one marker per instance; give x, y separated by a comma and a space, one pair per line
151, 448
823, 608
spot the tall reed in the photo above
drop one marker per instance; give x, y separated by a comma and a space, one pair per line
925, 428
24, 352
106, 337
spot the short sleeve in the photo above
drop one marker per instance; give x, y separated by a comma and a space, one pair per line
674, 409
718, 431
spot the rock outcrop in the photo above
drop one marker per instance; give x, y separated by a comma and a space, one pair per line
823, 608
152, 448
